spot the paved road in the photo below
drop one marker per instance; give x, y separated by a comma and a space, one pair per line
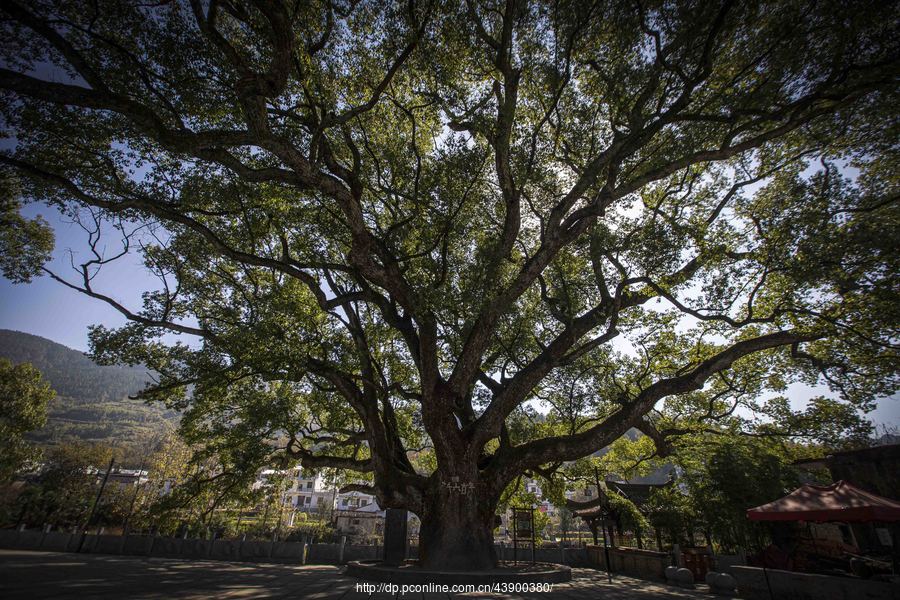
38, 575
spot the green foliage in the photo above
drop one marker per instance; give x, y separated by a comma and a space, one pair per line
23, 408
672, 512
310, 529
66, 486
630, 518
191, 486
633, 455
628, 458
726, 475
25, 244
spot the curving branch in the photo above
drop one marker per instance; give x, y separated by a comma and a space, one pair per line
571, 447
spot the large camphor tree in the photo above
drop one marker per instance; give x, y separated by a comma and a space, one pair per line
442, 244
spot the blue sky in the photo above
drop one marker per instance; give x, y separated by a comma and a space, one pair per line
47, 308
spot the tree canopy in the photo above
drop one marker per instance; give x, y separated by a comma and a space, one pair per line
721, 494
445, 243
66, 487
23, 408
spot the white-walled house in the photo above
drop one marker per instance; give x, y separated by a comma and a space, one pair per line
362, 524
358, 516
301, 490
309, 493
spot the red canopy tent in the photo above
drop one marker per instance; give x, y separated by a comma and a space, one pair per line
840, 501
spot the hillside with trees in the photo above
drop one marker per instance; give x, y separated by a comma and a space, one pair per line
92, 402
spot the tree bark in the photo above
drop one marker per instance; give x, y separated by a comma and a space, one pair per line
456, 532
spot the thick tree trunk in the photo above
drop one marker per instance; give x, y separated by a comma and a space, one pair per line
457, 532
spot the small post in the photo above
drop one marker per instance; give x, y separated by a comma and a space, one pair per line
605, 540
515, 539
532, 535
606, 554
341, 550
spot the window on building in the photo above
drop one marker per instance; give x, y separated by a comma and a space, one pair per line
309, 485
364, 502
308, 500
355, 522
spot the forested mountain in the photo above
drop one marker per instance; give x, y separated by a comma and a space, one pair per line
92, 402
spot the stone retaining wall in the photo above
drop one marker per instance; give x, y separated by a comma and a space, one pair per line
253, 551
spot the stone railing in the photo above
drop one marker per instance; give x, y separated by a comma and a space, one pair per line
646, 564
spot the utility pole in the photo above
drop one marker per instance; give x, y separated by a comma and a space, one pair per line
94, 507
604, 512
